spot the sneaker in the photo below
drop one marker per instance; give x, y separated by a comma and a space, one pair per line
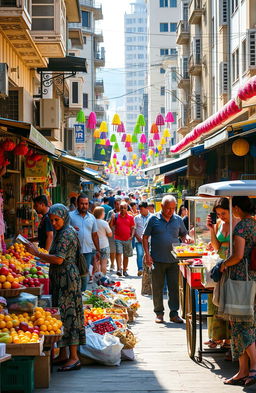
140, 272
119, 273
125, 274
176, 319
111, 269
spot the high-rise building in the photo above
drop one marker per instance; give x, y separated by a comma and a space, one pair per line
135, 24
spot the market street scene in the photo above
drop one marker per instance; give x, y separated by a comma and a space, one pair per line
127, 196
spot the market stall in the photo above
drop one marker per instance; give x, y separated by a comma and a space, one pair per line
192, 267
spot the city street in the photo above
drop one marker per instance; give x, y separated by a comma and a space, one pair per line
161, 365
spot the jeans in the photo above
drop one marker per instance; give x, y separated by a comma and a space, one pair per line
88, 257
140, 254
170, 271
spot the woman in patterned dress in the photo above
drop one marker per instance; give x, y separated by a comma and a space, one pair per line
243, 330
65, 285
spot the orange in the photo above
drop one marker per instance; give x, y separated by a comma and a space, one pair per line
52, 332
43, 328
25, 315
39, 321
9, 324
58, 331
7, 285
2, 324
10, 278
7, 318
5, 330
2, 278
49, 327
38, 314
55, 327
16, 340
2, 317
28, 334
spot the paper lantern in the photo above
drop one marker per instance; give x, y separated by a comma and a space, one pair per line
97, 141
156, 137
103, 126
166, 133
163, 141
134, 156
116, 121
140, 121
151, 143
169, 118
103, 135
128, 138
116, 147
96, 133
91, 121
154, 129
21, 149
120, 127
113, 138
137, 129
159, 120
134, 138
107, 142
80, 117
102, 152
103, 142
8, 145
240, 147
143, 138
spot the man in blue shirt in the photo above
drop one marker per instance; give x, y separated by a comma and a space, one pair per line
86, 226
164, 228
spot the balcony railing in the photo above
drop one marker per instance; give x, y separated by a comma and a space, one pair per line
99, 108
182, 32
17, 8
99, 85
195, 11
195, 64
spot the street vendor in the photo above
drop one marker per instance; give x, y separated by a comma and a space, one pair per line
165, 228
65, 284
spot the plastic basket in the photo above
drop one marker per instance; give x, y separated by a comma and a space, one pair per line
18, 375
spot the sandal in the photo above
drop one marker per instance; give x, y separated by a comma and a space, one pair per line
233, 381
71, 367
211, 344
252, 378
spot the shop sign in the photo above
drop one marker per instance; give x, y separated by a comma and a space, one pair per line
38, 173
216, 140
36, 137
134, 181
99, 157
79, 133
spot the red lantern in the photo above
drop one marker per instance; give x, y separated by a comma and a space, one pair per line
21, 149
8, 145
36, 157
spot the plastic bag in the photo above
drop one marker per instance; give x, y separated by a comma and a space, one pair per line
209, 262
25, 302
104, 349
127, 354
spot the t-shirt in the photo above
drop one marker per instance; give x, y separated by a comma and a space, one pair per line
44, 227
103, 229
123, 227
87, 225
107, 209
112, 202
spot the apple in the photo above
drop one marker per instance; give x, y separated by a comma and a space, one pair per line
12, 266
24, 326
39, 268
4, 271
33, 270
34, 275
15, 285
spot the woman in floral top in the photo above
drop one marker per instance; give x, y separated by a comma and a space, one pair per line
65, 285
243, 330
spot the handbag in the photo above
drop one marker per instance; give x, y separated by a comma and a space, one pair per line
239, 298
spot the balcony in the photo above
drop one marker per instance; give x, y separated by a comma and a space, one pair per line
182, 32
98, 35
99, 58
99, 110
183, 121
99, 86
196, 111
15, 24
93, 7
184, 81
195, 12
195, 64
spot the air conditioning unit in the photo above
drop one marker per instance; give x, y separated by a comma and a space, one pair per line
223, 77
251, 42
3, 80
223, 12
76, 93
18, 105
50, 115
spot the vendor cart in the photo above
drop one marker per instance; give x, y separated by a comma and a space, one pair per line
191, 276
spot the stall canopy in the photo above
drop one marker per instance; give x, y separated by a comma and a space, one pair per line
229, 188
28, 132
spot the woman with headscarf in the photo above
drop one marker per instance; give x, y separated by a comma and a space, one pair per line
65, 285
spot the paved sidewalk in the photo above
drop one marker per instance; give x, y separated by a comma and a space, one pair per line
161, 366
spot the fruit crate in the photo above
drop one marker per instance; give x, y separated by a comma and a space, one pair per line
18, 375
28, 349
51, 339
12, 292
37, 291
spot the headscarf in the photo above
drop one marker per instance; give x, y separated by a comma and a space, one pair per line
61, 211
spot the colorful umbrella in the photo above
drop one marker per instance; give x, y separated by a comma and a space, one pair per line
166, 133
120, 127
154, 129
123, 139
134, 138
169, 118
137, 129
159, 120
113, 138
96, 133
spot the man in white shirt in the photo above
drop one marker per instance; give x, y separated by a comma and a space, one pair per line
140, 223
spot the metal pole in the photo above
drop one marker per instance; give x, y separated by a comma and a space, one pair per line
230, 227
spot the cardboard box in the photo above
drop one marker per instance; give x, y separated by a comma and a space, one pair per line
29, 349
42, 373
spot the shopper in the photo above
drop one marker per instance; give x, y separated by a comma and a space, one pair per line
112, 243
124, 232
111, 199
134, 209
106, 207
65, 285
151, 207
164, 228
183, 213
86, 227
243, 329
140, 223
72, 204
104, 232
45, 229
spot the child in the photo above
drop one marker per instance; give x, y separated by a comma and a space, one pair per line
104, 232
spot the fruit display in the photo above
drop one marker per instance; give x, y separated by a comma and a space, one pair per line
103, 326
18, 251
10, 277
190, 250
96, 301
52, 310
34, 272
93, 314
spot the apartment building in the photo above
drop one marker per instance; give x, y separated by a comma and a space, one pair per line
216, 55
91, 88
135, 27
163, 17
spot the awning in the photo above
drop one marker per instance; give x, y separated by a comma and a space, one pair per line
66, 64
178, 170
165, 167
27, 132
83, 173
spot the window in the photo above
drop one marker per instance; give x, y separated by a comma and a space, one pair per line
173, 3
140, 56
234, 6
129, 47
173, 74
140, 20
173, 51
141, 82
235, 65
243, 56
141, 73
85, 100
129, 57
162, 110
185, 12
162, 70
174, 95
173, 27
163, 27
162, 91
128, 39
163, 3
84, 37
130, 108
140, 29
164, 52
86, 19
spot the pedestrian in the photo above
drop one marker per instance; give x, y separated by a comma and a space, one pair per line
72, 204
104, 232
151, 207
164, 228
111, 199
86, 226
45, 229
140, 223
183, 213
65, 285
124, 231
134, 209
106, 207
112, 243
144, 197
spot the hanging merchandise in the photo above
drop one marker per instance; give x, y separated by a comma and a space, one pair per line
129, 149
156, 137
116, 121
151, 152
113, 138
116, 147
143, 138
151, 143
103, 126
128, 138
91, 121
107, 142
154, 129
143, 157
21, 149
166, 133
123, 139
120, 127
80, 117
140, 146
169, 118
163, 141
159, 120
137, 129
102, 152
134, 156
127, 144
103, 142
160, 148
8, 145
103, 135
140, 121
140, 163
124, 158
97, 142
96, 133
134, 138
